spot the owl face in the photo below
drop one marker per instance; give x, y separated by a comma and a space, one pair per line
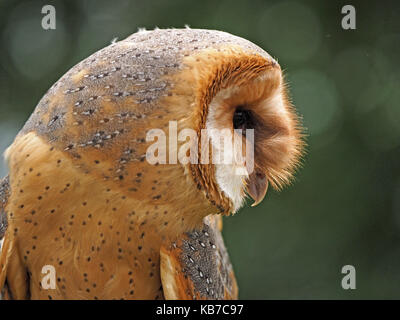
259, 104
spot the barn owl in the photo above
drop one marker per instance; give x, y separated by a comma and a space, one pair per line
82, 198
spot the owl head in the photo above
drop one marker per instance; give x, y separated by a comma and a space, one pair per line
103, 113
233, 91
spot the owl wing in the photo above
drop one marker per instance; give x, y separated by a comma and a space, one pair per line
197, 266
4, 194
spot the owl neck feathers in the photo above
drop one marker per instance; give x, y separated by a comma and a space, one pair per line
69, 192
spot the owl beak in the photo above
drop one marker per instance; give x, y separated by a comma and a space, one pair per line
257, 187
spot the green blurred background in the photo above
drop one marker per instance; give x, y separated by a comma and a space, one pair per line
345, 205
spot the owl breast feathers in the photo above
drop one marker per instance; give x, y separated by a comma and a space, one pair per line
83, 197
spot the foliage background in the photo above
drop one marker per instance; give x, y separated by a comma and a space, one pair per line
345, 206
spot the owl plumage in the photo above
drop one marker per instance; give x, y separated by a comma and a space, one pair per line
84, 199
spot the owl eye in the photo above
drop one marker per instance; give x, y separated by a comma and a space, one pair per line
242, 119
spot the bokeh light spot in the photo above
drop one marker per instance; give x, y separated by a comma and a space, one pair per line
29, 44
290, 31
315, 97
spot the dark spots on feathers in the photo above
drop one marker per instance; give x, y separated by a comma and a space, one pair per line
207, 266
